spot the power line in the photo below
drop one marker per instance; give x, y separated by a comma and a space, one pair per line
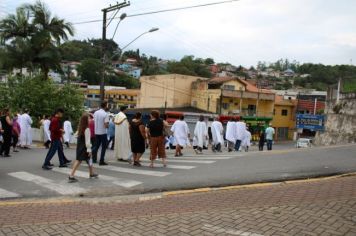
162, 11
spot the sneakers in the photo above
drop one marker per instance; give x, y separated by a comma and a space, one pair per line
103, 163
136, 163
46, 167
72, 179
63, 166
94, 176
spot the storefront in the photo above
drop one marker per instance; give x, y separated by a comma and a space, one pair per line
256, 124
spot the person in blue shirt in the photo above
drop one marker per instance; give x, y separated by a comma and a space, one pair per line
269, 137
111, 133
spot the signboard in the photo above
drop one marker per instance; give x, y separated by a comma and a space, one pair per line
311, 122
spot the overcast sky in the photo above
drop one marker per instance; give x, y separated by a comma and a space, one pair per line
243, 32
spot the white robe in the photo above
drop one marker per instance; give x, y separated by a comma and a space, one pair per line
180, 132
231, 131
122, 137
240, 130
200, 134
46, 131
246, 142
25, 125
217, 131
68, 131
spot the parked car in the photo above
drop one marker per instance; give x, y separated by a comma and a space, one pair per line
304, 143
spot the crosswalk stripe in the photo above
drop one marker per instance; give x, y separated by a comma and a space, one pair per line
169, 166
126, 183
134, 171
169, 160
63, 189
7, 194
203, 157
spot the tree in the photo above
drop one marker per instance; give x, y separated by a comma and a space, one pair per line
90, 71
34, 25
209, 61
189, 66
41, 97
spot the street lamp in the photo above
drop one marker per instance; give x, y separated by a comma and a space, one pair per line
122, 17
120, 51
150, 31
102, 80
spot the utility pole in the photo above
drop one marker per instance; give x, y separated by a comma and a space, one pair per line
116, 8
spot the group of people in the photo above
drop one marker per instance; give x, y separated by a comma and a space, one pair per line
15, 131
129, 138
237, 135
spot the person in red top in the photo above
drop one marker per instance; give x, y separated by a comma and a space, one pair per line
56, 141
92, 129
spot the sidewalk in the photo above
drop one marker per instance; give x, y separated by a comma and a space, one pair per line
322, 207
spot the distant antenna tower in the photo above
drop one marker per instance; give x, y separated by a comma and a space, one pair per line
351, 61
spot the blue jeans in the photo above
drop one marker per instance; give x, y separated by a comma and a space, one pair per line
100, 140
269, 144
237, 145
56, 145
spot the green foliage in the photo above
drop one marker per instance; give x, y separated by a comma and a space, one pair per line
189, 66
77, 50
124, 81
90, 71
41, 97
32, 37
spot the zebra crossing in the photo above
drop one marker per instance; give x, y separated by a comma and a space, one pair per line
116, 174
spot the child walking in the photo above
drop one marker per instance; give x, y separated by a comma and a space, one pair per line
83, 149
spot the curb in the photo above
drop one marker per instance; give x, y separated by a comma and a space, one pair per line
257, 185
155, 196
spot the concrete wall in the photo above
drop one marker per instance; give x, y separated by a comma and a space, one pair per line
340, 126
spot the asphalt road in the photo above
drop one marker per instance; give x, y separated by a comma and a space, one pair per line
21, 176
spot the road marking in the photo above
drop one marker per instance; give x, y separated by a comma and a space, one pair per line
220, 230
7, 194
203, 157
169, 166
126, 183
185, 161
62, 189
134, 171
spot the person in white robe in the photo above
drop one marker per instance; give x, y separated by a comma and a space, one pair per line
217, 131
246, 143
46, 131
68, 132
122, 137
231, 134
25, 125
181, 135
240, 134
200, 135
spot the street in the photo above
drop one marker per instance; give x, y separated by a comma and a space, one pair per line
322, 207
21, 176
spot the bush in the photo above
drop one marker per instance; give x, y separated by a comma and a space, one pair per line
41, 97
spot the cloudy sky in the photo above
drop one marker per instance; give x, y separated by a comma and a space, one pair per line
242, 32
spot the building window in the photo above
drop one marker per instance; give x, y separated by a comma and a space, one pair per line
229, 87
225, 106
284, 112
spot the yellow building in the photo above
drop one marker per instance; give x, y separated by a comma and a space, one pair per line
235, 96
169, 91
232, 96
122, 97
116, 97
284, 118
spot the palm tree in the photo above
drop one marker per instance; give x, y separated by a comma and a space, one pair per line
34, 24
16, 30
48, 34
15, 25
